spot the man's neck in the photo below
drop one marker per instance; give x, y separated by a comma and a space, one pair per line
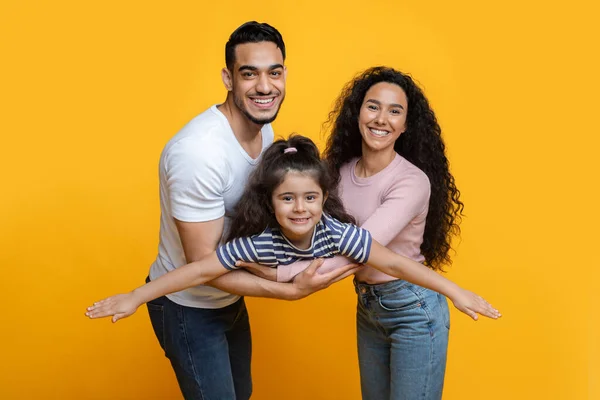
245, 131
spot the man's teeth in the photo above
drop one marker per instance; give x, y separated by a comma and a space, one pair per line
377, 132
263, 101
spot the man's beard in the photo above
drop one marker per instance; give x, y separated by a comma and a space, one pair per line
238, 101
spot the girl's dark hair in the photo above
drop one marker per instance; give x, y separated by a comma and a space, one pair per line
254, 211
252, 32
421, 144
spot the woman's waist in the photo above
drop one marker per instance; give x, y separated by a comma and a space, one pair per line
373, 276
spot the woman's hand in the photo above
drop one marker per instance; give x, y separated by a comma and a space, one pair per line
473, 304
118, 306
260, 270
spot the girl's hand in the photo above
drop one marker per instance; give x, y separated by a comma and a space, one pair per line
472, 304
119, 306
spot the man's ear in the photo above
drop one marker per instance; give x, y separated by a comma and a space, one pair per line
227, 78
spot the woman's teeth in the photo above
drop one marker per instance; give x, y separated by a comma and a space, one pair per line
377, 132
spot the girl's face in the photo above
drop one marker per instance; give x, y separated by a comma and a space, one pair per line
382, 117
298, 205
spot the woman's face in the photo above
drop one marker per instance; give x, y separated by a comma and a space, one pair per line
382, 117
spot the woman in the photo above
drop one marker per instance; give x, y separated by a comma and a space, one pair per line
387, 153
395, 180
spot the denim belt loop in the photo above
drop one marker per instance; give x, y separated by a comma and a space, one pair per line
362, 288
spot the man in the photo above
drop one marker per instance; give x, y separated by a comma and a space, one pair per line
205, 331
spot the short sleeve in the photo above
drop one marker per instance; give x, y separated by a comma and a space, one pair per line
355, 243
197, 175
238, 249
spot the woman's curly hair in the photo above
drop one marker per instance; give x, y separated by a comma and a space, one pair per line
421, 144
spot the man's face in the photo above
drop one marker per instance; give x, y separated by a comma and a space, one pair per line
258, 81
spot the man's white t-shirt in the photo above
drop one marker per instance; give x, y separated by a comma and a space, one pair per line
203, 171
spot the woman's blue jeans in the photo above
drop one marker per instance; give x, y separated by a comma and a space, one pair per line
402, 334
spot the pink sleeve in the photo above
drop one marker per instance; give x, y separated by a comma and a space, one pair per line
405, 199
286, 273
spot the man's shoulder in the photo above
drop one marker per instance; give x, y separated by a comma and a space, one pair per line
206, 134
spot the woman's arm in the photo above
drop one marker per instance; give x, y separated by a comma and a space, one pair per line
262, 281
404, 268
286, 273
186, 276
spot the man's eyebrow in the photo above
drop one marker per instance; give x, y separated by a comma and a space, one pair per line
253, 68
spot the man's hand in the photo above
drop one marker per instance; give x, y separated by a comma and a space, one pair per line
310, 280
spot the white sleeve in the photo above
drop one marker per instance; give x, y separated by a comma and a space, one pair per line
197, 176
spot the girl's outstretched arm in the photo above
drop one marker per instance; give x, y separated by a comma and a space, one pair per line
192, 274
401, 267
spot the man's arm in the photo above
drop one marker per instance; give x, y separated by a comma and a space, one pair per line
202, 238
199, 239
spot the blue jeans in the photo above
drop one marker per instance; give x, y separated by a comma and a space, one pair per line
209, 349
402, 334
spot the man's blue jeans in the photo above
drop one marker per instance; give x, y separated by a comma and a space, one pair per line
402, 334
209, 349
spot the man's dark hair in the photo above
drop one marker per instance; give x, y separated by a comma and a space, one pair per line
252, 32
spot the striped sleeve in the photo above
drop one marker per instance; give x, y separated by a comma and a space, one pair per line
355, 243
238, 249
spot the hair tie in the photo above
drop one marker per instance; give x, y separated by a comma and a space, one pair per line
290, 150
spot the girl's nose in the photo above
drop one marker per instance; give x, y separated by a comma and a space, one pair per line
299, 206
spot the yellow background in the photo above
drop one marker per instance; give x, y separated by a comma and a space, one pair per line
91, 91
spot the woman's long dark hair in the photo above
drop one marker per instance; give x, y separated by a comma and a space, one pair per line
421, 144
254, 211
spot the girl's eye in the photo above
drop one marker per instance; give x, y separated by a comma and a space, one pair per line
396, 112
310, 198
372, 107
287, 198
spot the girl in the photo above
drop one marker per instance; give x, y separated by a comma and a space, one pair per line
289, 213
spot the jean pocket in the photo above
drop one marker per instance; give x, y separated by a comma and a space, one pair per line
444, 310
399, 301
157, 318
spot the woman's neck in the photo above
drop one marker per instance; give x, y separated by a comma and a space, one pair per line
372, 162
